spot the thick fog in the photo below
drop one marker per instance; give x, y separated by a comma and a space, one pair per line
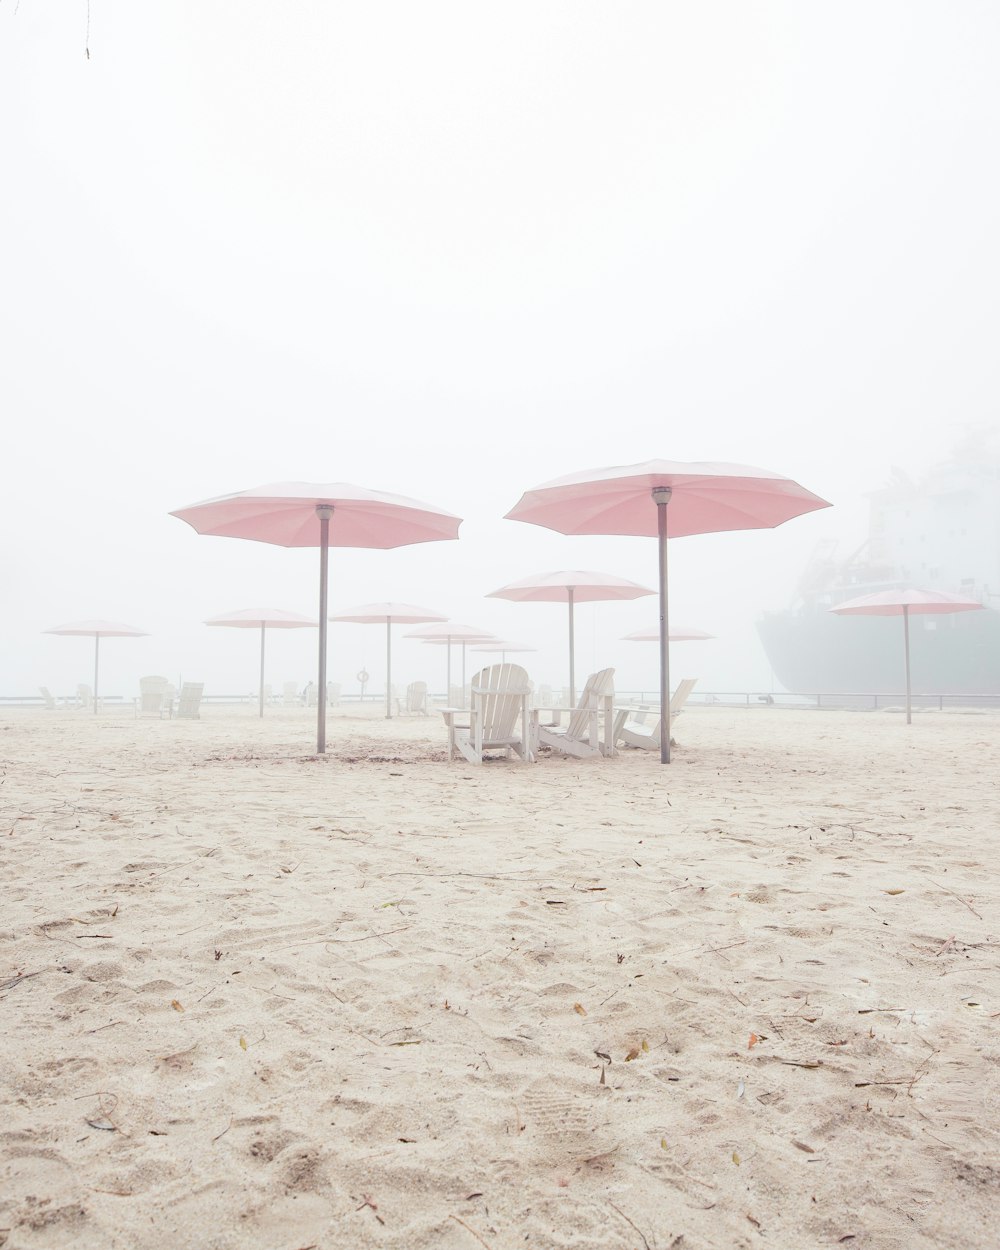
452, 251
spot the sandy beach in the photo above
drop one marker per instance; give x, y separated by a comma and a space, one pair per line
254, 998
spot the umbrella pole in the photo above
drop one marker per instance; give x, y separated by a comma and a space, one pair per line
661, 497
324, 512
388, 668
572, 658
261, 690
97, 653
906, 657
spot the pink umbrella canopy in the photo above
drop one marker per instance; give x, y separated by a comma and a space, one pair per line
571, 586
678, 633
499, 645
98, 630
263, 619
308, 514
448, 632
701, 498
390, 613
906, 603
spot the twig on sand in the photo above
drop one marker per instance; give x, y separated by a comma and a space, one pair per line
953, 894
458, 1219
224, 1131
630, 1222
11, 982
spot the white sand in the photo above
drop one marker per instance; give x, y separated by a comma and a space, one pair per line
252, 998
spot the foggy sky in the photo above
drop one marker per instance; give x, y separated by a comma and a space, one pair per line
452, 250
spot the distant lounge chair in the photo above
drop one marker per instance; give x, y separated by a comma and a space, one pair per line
582, 735
415, 701
333, 693
84, 697
50, 700
290, 696
631, 726
499, 700
152, 697
189, 702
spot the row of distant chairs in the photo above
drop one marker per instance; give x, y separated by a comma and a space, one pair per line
503, 716
157, 697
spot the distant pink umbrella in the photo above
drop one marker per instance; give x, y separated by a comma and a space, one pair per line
375, 614
571, 586
678, 633
905, 603
299, 514
633, 499
251, 618
448, 632
98, 630
501, 647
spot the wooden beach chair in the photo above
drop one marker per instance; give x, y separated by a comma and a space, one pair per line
582, 735
632, 728
497, 718
415, 701
189, 702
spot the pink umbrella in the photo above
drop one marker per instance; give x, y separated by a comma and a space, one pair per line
376, 613
98, 630
445, 634
905, 603
571, 586
678, 633
499, 646
251, 618
634, 499
299, 514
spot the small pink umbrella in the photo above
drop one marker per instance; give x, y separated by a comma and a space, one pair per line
308, 514
448, 632
500, 647
98, 630
375, 614
251, 618
571, 586
905, 603
678, 633
634, 499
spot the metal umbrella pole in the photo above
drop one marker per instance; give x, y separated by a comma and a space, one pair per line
388, 668
661, 497
324, 511
97, 653
906, 657
261, 688
572, 655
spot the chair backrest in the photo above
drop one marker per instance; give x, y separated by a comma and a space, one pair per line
416, 698
84, 696
47, 695
290, 693
600, 686
190, 700
497, 694
680, 695
151, 692
333, 693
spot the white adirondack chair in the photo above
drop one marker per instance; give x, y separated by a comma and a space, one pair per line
415, 701
499, 700
582, 735
290, 696
632, 728
189, 702
49, 697
152, 697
